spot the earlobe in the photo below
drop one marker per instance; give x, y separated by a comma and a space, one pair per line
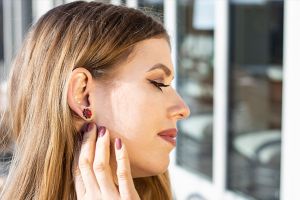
78, 93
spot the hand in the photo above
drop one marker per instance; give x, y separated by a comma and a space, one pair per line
91, 170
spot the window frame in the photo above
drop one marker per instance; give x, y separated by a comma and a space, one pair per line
290, 173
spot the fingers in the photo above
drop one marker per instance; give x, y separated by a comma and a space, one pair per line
126, 185
86, 159
79, 186
101, 165
93, 172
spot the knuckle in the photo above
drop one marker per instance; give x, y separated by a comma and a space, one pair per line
122, 158
84, 163
75, 171
123, 174
99, 167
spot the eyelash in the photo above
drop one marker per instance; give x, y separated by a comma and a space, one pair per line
158, 85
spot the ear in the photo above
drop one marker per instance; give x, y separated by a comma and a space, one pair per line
80, 85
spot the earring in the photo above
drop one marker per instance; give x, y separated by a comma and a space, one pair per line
87, 113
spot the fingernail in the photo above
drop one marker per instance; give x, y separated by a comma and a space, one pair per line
89, 127
101, 131
118, 143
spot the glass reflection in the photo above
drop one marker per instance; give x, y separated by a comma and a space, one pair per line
154, 6
256, 39
1, 44
195, 84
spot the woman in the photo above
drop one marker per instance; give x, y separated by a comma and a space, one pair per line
90, 107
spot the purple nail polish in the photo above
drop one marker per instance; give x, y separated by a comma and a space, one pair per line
118, 143
89, 127
83, 128
101, 131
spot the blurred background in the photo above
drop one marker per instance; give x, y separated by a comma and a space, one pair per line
234, 60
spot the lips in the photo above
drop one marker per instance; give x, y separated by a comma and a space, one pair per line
169, 135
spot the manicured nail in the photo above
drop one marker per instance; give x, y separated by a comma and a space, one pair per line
118, 143
101, 131
89, 127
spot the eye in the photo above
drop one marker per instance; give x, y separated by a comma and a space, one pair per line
158, 85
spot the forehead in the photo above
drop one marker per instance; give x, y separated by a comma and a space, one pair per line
148, 53
154, 47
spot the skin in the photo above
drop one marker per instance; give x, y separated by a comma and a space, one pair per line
132, 108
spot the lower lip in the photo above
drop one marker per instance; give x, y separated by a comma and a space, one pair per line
169, 139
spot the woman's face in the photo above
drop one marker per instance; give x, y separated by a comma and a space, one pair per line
137, 111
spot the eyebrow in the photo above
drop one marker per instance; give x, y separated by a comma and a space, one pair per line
162, 67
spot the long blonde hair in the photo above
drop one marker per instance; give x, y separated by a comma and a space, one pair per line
38, 120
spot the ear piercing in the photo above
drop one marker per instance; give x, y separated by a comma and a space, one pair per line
87, 113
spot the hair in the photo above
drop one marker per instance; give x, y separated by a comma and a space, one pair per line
38, 121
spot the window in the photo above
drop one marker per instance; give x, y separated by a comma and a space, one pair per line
255, 89
1, 42
195, 84
156, 6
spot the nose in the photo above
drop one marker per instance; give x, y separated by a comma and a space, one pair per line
179, 109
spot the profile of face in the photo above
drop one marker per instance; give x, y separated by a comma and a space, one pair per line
137, 106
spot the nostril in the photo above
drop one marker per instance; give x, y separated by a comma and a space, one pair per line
181, 116
179, 111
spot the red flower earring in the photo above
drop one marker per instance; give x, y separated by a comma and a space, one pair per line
87, 113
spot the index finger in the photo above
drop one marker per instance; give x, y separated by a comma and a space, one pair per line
126, 185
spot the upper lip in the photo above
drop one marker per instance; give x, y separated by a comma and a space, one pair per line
172, 132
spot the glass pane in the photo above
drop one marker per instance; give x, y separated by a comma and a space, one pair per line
2, 93
256, 40
195, 84
155, 6
1, 44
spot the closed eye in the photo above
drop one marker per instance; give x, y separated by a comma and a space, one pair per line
158, 85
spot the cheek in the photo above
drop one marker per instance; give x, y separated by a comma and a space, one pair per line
130, 109
127, 111
136, 117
